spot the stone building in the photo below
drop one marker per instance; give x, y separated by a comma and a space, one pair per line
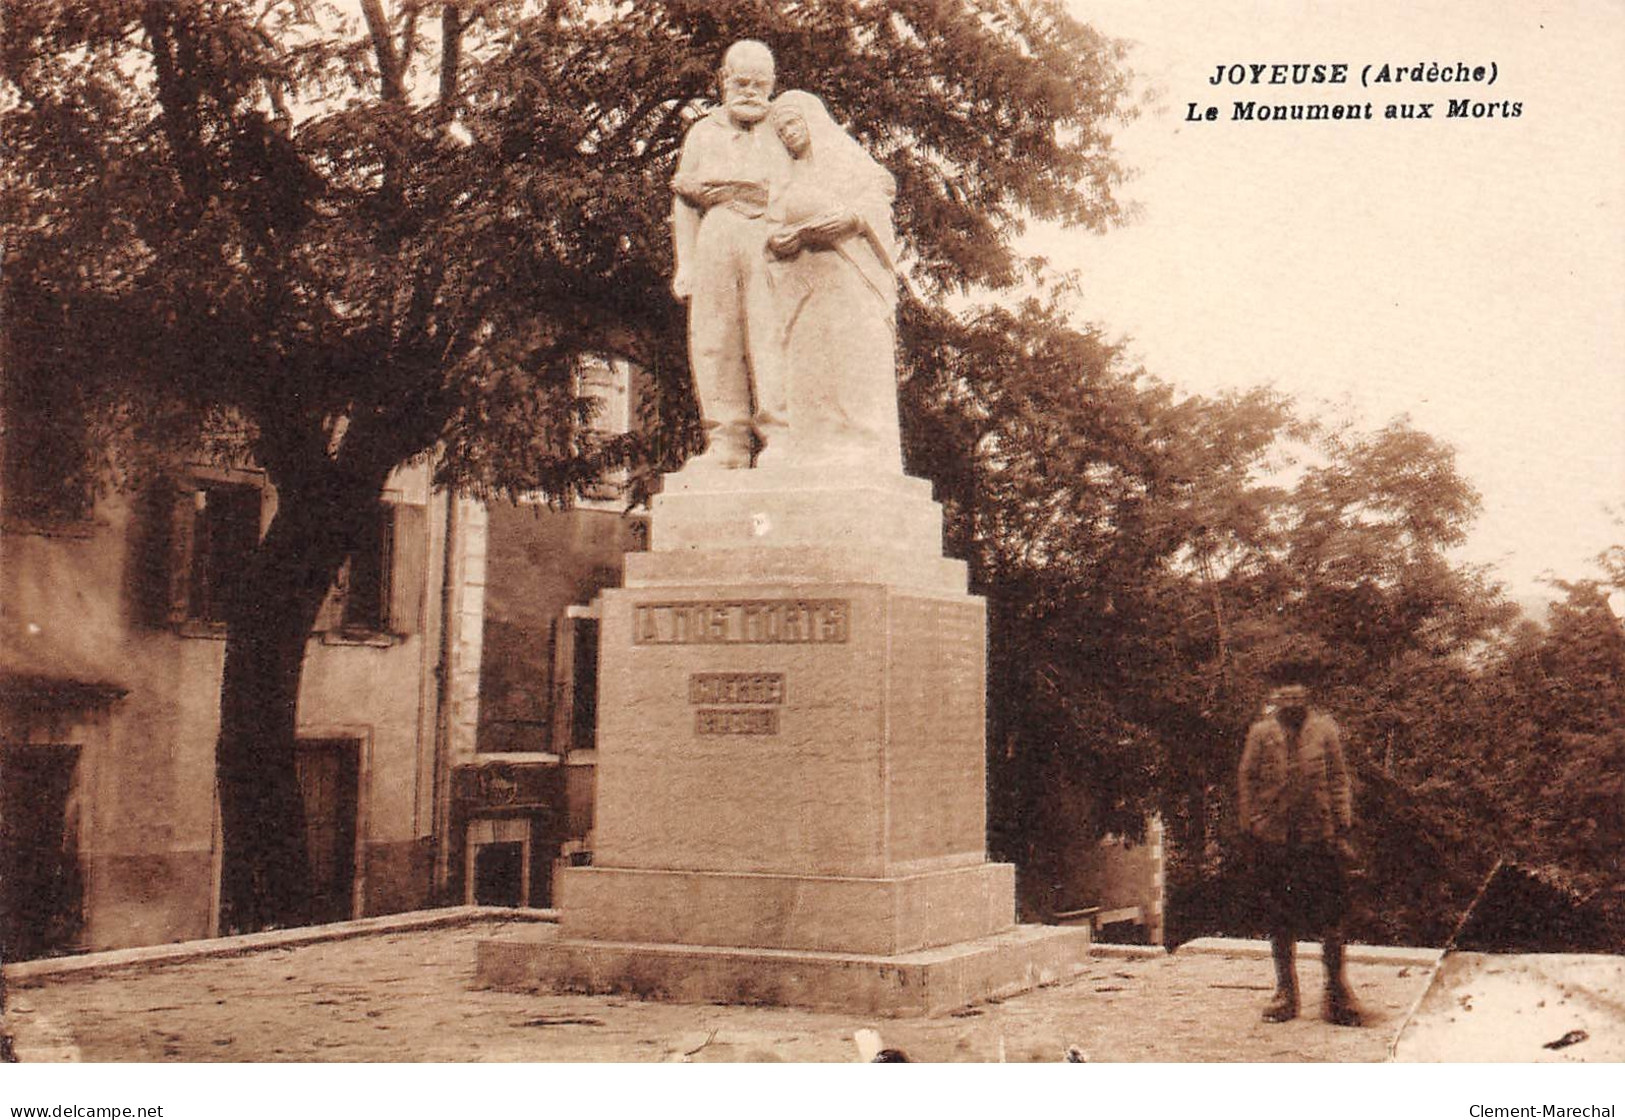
522, 800
432, 774
111, 648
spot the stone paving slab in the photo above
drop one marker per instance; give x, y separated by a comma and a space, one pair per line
408, 995
1519, 1007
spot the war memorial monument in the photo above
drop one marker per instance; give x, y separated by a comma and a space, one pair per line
791, 779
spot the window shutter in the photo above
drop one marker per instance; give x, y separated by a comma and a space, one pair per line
150, 531
408, 576
182, 513
564, 660
331, 615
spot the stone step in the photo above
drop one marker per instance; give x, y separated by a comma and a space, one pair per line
928, 982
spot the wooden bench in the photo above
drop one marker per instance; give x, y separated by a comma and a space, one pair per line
1097, 917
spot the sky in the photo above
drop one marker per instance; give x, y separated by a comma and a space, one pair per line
1467, 272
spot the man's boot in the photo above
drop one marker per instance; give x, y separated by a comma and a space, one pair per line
1285, 1004
1339, 1007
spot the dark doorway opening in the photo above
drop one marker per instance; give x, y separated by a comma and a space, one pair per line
41, 886
329, 773
498, 874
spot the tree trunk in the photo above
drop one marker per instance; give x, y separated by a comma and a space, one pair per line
265, 878
1199, 824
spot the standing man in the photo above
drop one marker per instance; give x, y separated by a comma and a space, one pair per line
729, 164
1297, 809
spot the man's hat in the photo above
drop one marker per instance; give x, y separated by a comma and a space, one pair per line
1290, 680
1289, 696
1298, 672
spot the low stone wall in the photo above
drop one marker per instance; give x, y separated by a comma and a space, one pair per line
26, 974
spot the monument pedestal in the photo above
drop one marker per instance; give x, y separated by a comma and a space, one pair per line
791, 787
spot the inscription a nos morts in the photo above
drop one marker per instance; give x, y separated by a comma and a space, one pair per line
742, 622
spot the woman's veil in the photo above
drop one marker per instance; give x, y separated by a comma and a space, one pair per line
841, 168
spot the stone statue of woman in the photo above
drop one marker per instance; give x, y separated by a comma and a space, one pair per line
835, 284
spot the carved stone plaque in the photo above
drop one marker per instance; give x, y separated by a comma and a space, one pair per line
742, 622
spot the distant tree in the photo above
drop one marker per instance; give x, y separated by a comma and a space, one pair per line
1096, 511
335, 245
1144, 567
1569, 792
1517, 752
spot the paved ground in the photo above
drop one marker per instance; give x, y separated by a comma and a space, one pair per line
409, 996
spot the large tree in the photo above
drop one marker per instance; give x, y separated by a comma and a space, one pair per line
335, 238
1551, 753
1099, 512
1148, 556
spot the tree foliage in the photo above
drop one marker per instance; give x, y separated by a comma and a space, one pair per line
1148, 556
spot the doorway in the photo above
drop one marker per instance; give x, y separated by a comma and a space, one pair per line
329, 782
499, 874
41, 884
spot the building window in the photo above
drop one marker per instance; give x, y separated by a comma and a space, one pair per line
584, 685
191, 542
195, 538
225, 532
370, 574
380, 590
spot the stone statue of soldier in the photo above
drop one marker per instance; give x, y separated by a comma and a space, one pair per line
730, 163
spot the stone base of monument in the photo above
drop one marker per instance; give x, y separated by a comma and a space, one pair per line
868, 915
791, 778
922, 983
